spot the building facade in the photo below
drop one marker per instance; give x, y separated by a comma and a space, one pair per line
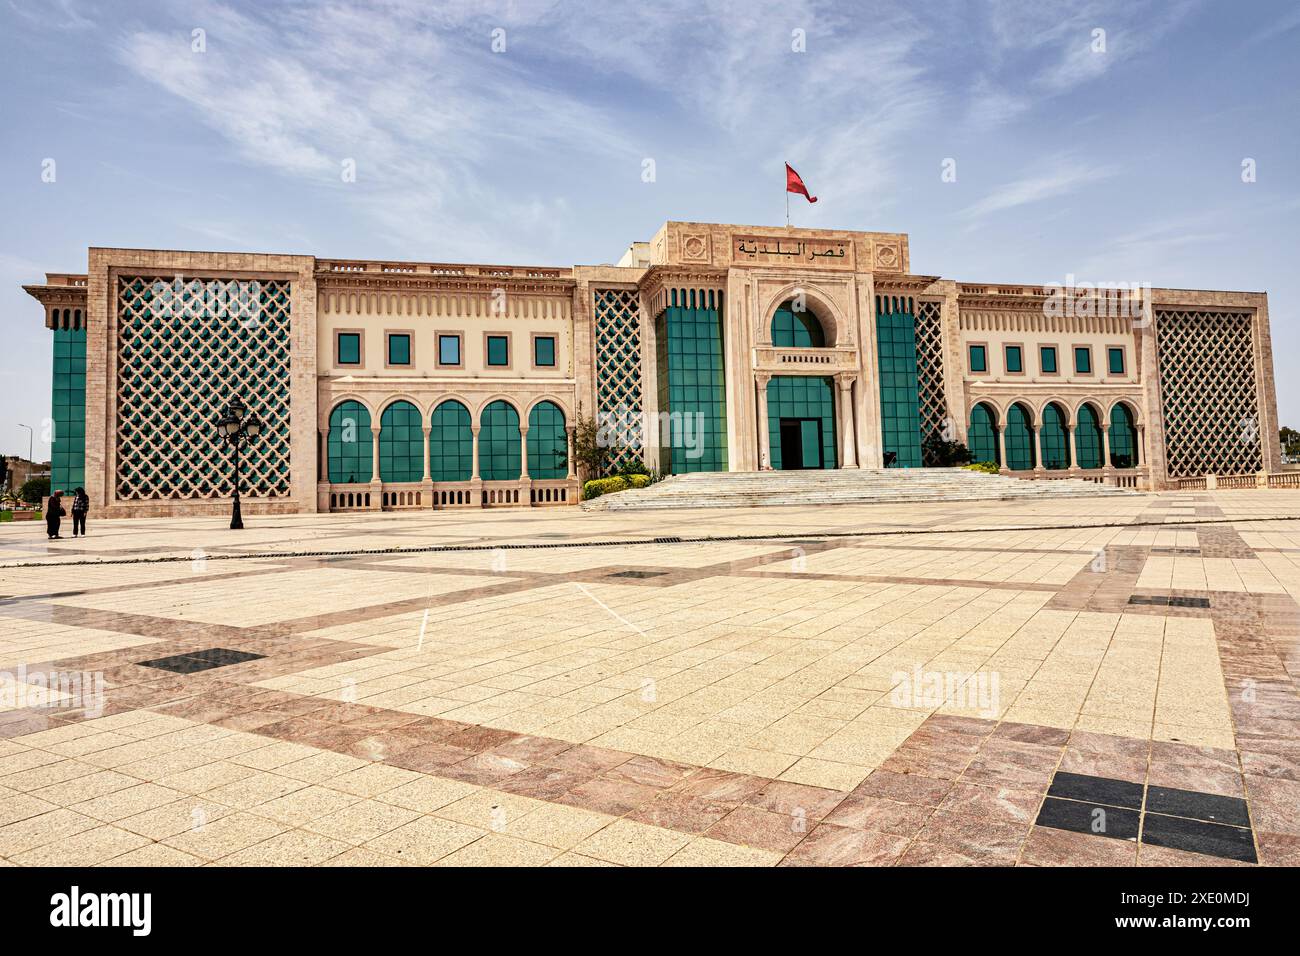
398, 385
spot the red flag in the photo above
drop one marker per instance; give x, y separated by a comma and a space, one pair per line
793, 184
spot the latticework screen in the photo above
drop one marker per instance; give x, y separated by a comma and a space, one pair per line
929, 368
185, 347
618, 373
1208, 393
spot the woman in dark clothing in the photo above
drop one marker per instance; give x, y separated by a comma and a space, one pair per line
54, 514
80, 505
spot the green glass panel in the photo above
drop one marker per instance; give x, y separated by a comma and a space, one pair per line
1087, 438
350, 444
399, 350
449, 349
691, 383
1082, 361
401, 443
498, 443
1047, 359
796, 329
981, 436
498, 350
811, 401
1019, 439
900, 415
1056, 446
1115, 361
1015, 359
544, 350
349, 348
1123, 438
451, 443
979, 359
547, 443
68, 405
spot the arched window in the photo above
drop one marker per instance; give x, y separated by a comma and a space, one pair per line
796, 329
401, 443
1056, 446
498, 443
350, 449
1019, 439
451, 443
1123, 438
982, 435
1087, 437
548, 447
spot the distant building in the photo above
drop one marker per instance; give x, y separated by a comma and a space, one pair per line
19, 470
394, 385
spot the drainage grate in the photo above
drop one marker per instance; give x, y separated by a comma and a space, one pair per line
1184, 551
668, 540
193, 661
636, 574
1160, 600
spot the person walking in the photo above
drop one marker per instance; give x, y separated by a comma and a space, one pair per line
54, 515
80, 506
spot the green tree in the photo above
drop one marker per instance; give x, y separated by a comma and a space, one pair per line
34, 489
938, 452
1290, 441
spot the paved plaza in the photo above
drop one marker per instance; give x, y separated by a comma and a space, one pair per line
1097, 681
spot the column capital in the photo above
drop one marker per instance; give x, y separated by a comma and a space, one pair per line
762, 378
846, 379
475, 429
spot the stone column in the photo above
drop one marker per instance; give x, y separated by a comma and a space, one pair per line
475, 482
474, 475
569, 431
376, 483
764, 437
523, 453
1105, 447
323, 466
849, 452
426, 482
1039, 468
1071, 452
1002, 447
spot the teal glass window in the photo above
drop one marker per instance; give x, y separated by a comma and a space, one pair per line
982, 435
688, 344
68, 405
548, 445
498, 350
399, 348
1056, 447
1019, 438
498, 443
811, 402
401, 443
349, 344
900, 406
1115, 360
796, 329
544, 351
1123, 438
1047, 359
1015, 358
350, 451
451, 443
1087, 438
448, 349
979, 358
1082, 360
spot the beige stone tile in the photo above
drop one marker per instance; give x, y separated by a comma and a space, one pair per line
632, 844
426, 840
362, 821
557, 825
706, 852
225, 835
292, 848
496, 849
82, 849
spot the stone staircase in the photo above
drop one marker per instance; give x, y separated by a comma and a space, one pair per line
749, 489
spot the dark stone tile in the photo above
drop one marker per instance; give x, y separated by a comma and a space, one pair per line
1198, 806
1195, 836
1113, 822
191, 662
1100, 790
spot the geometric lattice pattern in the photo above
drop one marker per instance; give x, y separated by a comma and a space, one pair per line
618, 374
1208, 393
933, 402
186, 347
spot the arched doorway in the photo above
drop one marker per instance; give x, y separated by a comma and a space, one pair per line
350, 451
548, 446
1123, 438
401, 443
451, 443
982, 435
498, 442
1055, 441
1087, 437
1019, 438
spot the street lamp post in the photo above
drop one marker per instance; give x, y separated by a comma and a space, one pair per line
31, 442
239, 430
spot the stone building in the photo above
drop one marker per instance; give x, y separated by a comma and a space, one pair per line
395, 385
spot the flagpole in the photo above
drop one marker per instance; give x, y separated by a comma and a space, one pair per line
787, 206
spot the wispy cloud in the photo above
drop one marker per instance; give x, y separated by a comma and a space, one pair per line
1065, 176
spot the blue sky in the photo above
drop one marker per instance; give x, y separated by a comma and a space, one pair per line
1114, 165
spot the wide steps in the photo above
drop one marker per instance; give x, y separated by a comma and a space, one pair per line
847, 486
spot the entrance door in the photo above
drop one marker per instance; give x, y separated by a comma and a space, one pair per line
801, 443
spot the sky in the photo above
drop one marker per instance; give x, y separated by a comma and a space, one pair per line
1104, 140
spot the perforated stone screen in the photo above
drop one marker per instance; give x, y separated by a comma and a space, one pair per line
186, 347
618, 373
1208, 392
929, 368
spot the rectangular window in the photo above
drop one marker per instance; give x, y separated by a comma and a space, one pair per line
1015, 360
349, 348
1047, 359
544, 351
498, 350
1082, 360
979, 361
449, 350
399, 348
1115, 361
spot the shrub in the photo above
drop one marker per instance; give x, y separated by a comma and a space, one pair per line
987, 467
638, 480
938, 452
634, 467
34, 489
603, 486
